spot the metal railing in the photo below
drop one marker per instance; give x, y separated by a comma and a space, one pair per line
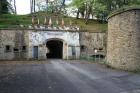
90, 55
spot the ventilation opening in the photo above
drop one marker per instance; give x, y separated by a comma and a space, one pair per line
55, 48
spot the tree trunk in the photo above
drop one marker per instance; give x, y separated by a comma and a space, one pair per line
31, 6
46, 5
15, 7
34, 6
87, 17
77, 16
89, 10
3, 7
82, 14
0, 7
62, 5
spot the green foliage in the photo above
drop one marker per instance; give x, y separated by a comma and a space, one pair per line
13, 21
8, 19
3, 7
77, 3
102, 8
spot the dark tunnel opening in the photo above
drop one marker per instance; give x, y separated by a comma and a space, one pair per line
55, 48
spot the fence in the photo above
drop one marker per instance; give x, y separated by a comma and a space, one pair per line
94, 55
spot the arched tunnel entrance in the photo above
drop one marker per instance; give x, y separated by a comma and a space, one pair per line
55, 49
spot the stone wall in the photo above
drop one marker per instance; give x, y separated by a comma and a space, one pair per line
13, 44
123, 46
19, 44
90, 41
69, 39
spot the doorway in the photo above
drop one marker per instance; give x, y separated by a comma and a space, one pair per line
55, 48
35, 52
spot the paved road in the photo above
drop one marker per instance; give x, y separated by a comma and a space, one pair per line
58, 76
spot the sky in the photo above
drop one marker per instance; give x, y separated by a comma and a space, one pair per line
23, 6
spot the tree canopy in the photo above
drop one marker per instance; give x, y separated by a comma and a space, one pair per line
3, 7
86, 9
100, 8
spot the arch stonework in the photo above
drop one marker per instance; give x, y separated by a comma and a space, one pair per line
64, 48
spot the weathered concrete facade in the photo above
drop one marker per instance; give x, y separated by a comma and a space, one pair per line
90, 41
19, 44
69, 39
31, 44
123, 46
11, 46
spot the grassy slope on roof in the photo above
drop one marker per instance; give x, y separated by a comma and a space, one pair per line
11, 21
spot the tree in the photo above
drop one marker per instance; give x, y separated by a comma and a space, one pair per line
15, 8
89, 9
10, 6
32, 6
62, 5
80, 5
99, 8
3, 7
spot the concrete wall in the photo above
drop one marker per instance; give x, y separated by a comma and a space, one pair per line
13, 39
91, 41
123, 46
16, 39
40, 38
72, 41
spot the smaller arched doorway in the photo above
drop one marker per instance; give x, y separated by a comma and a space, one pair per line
55, 49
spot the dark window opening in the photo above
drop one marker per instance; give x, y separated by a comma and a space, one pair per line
23, 48
98, 56
100, 49
7, 48
16, 50
83, 48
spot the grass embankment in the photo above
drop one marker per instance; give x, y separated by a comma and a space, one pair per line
12, 21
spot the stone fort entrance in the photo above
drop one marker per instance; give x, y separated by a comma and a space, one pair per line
44, 44
55, 48
54, 44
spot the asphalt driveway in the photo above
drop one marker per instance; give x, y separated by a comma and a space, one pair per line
61, 76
